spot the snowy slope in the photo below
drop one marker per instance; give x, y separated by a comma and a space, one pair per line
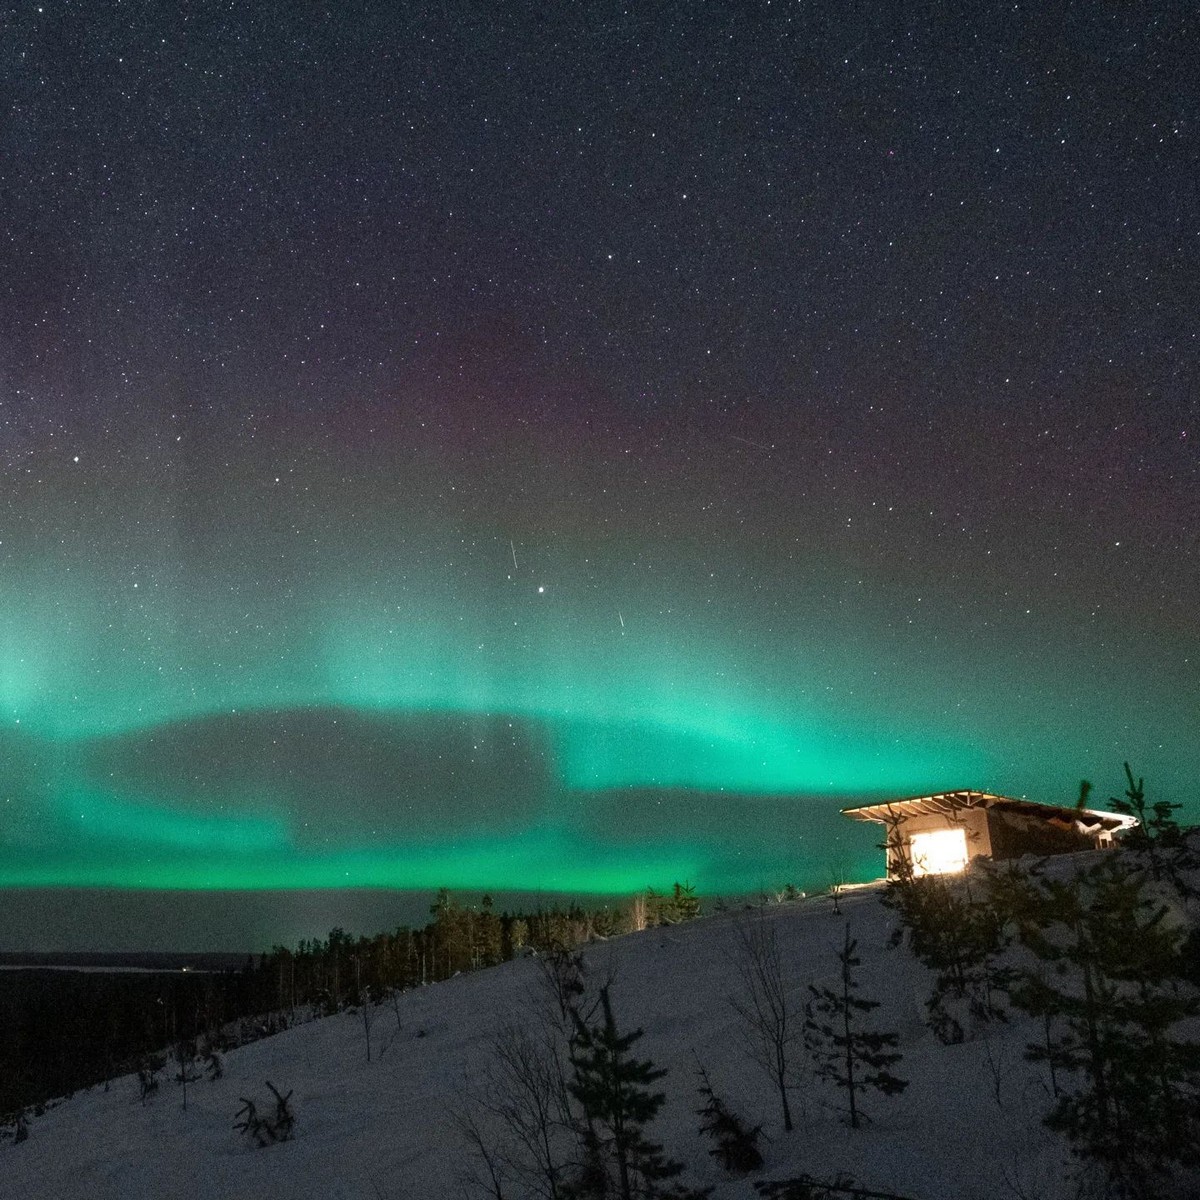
382, 1130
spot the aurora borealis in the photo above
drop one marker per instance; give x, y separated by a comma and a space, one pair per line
576, 452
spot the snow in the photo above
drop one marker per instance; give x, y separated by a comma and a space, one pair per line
383, 1130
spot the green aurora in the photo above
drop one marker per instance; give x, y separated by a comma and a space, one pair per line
569, 449
522, 735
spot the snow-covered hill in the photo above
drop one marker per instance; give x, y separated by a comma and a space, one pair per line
968, 1127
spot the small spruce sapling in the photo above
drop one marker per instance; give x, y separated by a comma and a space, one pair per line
1157, 835
736, 1146
184, 1054
845, 1054
837, 887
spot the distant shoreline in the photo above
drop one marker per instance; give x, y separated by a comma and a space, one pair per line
142, 961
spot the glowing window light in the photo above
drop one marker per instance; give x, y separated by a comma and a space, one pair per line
941, 852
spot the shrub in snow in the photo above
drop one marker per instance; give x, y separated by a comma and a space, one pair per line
805, 1187
214, 1064
147, 1075
368, 1016
267, 1128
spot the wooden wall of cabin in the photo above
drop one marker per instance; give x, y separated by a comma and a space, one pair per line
1013, 834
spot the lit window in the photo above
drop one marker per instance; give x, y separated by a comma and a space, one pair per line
938, 853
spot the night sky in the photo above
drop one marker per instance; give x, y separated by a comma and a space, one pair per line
575, 447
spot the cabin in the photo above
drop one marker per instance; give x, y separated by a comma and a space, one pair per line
941, 833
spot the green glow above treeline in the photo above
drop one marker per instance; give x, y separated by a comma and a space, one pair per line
475, 802
560, 729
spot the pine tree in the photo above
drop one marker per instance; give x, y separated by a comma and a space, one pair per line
1108, 982
736, 1143
657, 909
685, 906
960, 939
450, 936
607, 922
486, 942
1157, 835
845, 1054
613, 1090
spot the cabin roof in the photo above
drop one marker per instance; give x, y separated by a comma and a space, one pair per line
950, 803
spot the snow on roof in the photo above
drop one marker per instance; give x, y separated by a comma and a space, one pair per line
950, 803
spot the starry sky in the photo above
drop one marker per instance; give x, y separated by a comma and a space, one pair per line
565, 449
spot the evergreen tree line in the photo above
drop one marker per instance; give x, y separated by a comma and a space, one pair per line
343, 971
67, 1030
